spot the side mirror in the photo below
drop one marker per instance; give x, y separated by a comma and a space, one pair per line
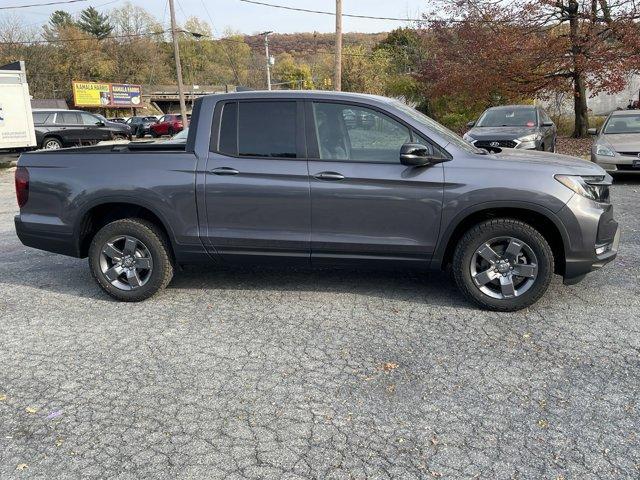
100, 123
470, 124
416, 155
592, 131
547, 124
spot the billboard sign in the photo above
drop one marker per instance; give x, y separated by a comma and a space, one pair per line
106, 95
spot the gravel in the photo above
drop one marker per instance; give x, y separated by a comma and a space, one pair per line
325, 374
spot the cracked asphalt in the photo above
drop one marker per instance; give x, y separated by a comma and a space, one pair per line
324, 374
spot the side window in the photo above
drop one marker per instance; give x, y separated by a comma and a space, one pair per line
67, 118
88, 119
162, 119
267, 129
42, 118
545, 116
359, 134
228, 142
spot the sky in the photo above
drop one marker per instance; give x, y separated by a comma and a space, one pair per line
250, 18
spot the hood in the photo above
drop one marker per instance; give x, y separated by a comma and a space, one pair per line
559, 163
622, 142
500, 133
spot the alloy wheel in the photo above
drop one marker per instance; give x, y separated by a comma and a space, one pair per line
51, 145
504, 267
126, 262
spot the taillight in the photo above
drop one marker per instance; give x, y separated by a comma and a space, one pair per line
22, 186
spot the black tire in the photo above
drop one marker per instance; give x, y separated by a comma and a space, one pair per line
49, 142
157, 246
154, 134
484, 233
170, 132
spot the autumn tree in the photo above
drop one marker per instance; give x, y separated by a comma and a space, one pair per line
292, 74
497, 51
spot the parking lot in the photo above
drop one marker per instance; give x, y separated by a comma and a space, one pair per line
323, 374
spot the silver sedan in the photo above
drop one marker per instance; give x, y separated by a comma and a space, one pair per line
617, 144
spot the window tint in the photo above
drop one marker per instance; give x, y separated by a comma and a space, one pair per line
267, 129
88, 119
67, 118
347, 132
229, 129
41, 118
545, 117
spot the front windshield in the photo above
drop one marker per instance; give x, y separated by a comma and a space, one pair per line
508, 117
623, 124
441, 130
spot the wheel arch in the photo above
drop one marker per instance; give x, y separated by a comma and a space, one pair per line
98, 215
47, 136
544, 220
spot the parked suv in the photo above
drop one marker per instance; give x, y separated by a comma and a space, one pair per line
317, 178
64, 128
169, 124
525, 127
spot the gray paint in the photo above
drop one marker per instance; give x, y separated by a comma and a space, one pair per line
275, 208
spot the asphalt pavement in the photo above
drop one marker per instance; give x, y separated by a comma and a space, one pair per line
260, 373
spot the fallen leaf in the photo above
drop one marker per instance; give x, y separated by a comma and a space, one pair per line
387, 367
3, 397
391, 388
31, 409
22, 466
543, 424
435, 441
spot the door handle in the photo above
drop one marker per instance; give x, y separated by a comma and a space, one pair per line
330, 176
225, 171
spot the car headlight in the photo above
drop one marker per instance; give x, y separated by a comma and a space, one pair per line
534, 137
605, 151
592, 187
468, 138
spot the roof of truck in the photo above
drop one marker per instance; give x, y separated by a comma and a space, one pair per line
303, 93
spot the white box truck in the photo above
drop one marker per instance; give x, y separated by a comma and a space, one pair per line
16, 121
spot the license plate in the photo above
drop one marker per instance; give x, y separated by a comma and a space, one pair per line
636, 164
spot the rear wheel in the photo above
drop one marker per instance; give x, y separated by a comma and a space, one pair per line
170, 131
503, 264
51, 143
130, 259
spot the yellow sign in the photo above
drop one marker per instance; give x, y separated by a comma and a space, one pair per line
90, 94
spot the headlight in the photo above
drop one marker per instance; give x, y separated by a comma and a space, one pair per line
592, 187
534, 137
605, 151
468, 137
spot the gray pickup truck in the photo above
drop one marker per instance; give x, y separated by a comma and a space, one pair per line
318, 178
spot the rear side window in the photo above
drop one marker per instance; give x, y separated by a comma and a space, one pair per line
229, 129
267, 129
67, 118
41, 118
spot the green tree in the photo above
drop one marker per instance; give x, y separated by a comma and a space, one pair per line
57, 20
291, 74
95, 23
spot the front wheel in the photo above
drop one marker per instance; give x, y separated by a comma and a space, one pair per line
503, 264
130, 259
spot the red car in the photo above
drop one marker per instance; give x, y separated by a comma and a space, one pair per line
169, 124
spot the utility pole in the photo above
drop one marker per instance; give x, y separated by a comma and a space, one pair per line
337, 72
266, 51
176, 54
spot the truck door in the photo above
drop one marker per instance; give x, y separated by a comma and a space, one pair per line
365, 205
257, 183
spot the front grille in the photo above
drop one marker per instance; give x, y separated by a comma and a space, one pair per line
628, 168
630, 154
501, 144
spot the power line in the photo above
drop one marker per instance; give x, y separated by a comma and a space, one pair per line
321, 12
45, 4
70, 40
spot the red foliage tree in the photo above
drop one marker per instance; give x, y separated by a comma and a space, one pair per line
488, 49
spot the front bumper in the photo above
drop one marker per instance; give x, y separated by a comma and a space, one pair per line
617, 164
593, 237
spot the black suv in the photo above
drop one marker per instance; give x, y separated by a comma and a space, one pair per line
63, 128
141, 126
